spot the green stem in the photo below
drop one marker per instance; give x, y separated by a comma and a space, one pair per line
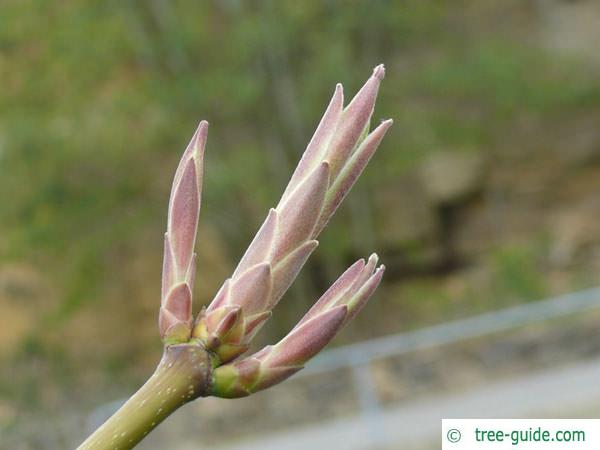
181, 376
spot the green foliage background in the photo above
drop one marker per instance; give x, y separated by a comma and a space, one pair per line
98, 99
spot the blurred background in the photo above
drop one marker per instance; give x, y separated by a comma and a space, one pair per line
482, 197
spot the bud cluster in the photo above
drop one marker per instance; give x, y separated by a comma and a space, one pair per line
335, 157
340, 303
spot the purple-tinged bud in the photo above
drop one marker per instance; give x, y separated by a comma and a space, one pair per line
336, 155
222, 296
209, 327
355, 119
299, 213
182, 223
273, 364
286, 271
195, 149
350, 173
183, 218
254, 324
166, 321
366, 273
176, 309
260, 247
306, 341
252, 289
248, 371
274, 375
360, 298
317, 148
335, 292
170, 329
228, 352
169, 274
318, 327
190, 276
224, 319
226, 331
242, 378
179, 302
353, 289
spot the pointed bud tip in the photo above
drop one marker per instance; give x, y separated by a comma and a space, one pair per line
340, 311
381, 129
379, 273
371, 264
305, 341
202, 129
379, 72
265, 267
199, 140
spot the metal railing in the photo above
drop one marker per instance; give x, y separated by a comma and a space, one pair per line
358, 357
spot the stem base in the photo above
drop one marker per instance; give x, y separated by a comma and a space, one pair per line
181, 376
